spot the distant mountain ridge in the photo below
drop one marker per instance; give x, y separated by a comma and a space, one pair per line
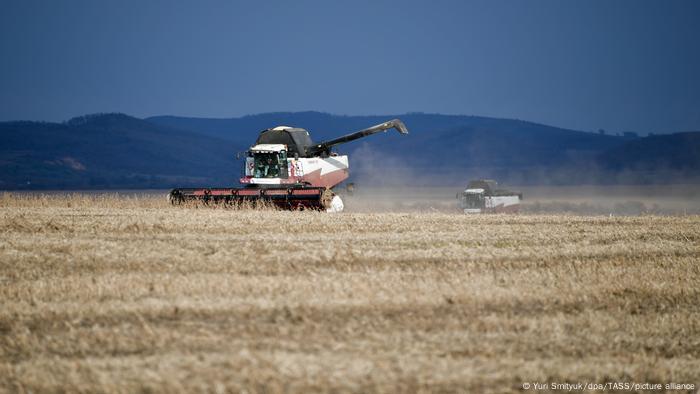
107, 151
120, 151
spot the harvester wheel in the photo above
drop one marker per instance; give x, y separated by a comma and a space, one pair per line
326, 198
331, 202
175, 198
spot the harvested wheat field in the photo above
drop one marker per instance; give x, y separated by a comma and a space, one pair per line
110, 294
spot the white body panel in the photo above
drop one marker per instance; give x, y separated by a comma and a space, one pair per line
267, 181
326, 164
492, 204
268, 148
249, 166
501, 201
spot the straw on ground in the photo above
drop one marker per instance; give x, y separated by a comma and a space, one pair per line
112, 294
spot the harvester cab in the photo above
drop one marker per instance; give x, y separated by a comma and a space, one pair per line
287, 156
267, 161
287, 168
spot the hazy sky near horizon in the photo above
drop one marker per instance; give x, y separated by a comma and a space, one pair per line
617, 65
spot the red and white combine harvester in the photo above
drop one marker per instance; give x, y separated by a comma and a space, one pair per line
484, 196
285, 167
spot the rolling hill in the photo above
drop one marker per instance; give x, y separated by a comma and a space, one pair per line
673, 158
441, 149
108, 151
120, 151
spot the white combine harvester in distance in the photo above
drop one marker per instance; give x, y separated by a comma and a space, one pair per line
484, 196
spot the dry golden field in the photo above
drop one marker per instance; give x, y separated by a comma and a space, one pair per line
109, 294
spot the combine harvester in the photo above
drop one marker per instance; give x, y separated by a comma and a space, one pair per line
286, 168
484, 196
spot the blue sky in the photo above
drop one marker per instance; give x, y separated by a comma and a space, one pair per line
617, 65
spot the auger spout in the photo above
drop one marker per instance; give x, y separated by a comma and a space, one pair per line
325, 146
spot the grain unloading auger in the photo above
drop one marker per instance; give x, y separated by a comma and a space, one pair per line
286, 168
